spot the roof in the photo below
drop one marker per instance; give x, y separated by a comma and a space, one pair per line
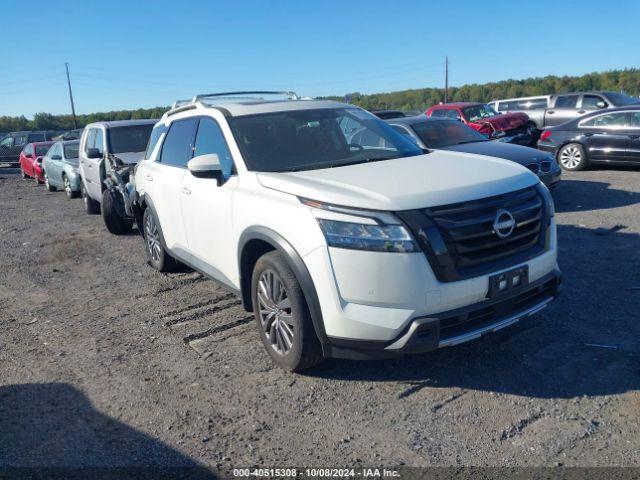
241, 108
48, 142
122, 123
457, 104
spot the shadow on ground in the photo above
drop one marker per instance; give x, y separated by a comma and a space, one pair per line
585, 195
54, 427
560, 352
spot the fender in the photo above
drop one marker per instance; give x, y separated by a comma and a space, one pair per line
297, 265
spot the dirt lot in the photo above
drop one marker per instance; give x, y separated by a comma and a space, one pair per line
104, 361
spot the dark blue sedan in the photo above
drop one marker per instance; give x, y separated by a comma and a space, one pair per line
444, 134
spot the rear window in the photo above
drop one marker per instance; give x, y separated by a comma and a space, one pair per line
132, 138
444, 133
620, 99
71, 150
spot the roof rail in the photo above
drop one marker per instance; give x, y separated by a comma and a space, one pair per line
241, 95
247, 94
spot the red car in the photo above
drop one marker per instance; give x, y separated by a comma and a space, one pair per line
507, 127
31, 160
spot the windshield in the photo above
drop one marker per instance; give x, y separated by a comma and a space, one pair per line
71, 150
313, 139
620, 99
41, 150
478, 112
438, 134
132, 138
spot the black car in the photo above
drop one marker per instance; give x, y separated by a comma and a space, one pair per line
447, 134
13, 143
611, 136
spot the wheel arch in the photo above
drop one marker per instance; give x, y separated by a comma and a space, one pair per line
255, 242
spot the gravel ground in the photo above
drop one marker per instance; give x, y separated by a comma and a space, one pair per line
106, 362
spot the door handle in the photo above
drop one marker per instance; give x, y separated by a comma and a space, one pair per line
149, 177
588, 134
186, 191
582, 111
634, 137
551, 111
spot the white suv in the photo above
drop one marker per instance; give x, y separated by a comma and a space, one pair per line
343, 249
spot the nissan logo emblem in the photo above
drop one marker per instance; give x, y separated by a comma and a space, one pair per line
504, 223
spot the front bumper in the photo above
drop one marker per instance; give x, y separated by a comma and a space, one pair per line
457, 326
552, 178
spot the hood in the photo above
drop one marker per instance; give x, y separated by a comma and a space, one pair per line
437, 178
506, 121
508, 151
130, 157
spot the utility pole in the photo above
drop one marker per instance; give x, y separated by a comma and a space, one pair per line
446, 79
73, 108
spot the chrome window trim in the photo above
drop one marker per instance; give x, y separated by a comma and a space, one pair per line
625, 127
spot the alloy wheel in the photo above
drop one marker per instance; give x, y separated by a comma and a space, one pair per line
275, 312
67, 186
152, 238
570, 157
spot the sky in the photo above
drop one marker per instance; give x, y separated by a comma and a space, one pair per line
139, 54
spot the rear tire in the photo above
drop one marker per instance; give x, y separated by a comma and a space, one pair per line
112, 219
157, 254
282, 315
572, 157
91, 206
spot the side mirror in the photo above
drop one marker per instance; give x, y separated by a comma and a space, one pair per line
206, 166
94, 153
601, 104
56, 157
29, 155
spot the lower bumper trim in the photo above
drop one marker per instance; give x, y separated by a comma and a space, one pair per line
454, 327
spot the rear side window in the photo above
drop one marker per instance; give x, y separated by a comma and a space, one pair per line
177, 148
567, 101
210, 139
609, 120
156, 133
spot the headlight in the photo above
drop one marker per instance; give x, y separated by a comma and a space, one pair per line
548, 199
362, 229
358, 236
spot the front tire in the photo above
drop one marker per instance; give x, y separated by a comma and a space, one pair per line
157, 255
572, 157
112, 219
67, 187
50, 187
282, 315
91, 206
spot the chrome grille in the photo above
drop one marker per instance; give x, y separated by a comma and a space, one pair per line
468, 232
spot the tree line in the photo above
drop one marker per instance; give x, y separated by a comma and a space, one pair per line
627, 80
